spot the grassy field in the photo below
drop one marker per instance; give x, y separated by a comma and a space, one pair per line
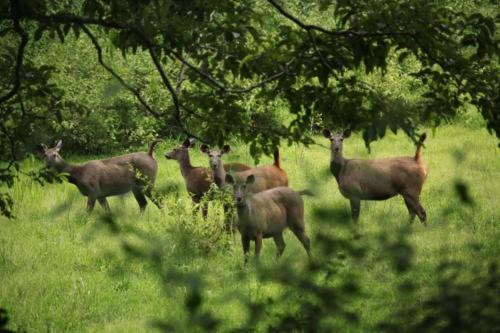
63, 271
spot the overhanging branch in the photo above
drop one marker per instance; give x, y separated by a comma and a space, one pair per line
19, 58
67, 18
173, 93
134, 91
63, 18
336, 33
220, 86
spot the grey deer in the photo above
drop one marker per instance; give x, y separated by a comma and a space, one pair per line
267, 176
379, 179
99, 179
267, 214
218, 168
197, 179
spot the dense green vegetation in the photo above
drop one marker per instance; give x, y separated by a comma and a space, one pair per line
62, 270
105, 75
108, 76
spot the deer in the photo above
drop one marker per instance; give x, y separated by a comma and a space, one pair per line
267, 214
379, 179
197, 179
218, 168
268, 176
99, 179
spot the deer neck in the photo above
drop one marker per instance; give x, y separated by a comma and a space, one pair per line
219, 175
63, 166
243, 209
185, 164
337, 162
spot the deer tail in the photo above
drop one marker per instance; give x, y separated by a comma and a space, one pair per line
420, 144
277, 157
306, 192
152, 146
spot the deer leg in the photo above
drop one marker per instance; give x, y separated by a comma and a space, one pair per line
258, 244
148, 192
302, 237
90, 204
280, 244
204, 208
141, 199
417, 208
104, 204
410, 210
355, 208
229, 217
245, 241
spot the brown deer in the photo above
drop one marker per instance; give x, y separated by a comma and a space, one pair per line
99, 179
379, 179
266, 176
197, 179
267, 214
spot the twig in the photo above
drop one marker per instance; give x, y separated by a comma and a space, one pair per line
115, 75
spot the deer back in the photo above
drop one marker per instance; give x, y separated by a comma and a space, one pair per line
266, 177
378, 179
115, 175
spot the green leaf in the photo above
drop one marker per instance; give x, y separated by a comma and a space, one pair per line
39, 32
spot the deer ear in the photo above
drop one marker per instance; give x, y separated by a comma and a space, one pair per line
250, 179
186, 143
229, 179
327, 133
58, 145
192, 141
204, 148
347, 133
226, 149
40, 149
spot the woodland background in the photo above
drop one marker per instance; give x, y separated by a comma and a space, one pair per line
108, 76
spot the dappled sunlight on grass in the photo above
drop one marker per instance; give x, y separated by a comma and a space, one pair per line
65, 270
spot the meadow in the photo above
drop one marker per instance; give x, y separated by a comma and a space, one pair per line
62, 270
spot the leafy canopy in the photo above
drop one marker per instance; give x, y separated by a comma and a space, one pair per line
225, 66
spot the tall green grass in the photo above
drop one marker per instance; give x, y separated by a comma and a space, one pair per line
64, 271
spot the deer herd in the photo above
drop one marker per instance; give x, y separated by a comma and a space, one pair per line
265, 206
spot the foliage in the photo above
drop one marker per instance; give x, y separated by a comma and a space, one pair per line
64, 270
4, 320
464, 300
219, 70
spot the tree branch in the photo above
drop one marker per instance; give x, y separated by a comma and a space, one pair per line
64, 18
320, 55
216, 84
173, 94
115, 75
353, 33
13, 158
20, 55
180, 79
336, 33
